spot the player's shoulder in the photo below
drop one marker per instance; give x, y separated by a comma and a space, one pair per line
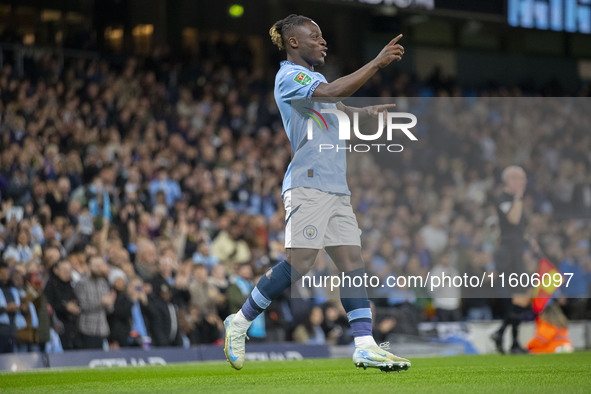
294, 73
287, 67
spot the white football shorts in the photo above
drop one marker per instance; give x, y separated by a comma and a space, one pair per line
315, 219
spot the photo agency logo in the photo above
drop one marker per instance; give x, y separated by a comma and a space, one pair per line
394, 123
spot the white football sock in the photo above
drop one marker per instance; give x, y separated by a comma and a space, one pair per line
365, 342
240, 321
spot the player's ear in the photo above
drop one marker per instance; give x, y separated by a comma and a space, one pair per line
293, 42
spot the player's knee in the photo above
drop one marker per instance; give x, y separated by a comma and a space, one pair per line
302, 266
301, 260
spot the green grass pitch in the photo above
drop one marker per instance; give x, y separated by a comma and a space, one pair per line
559, 373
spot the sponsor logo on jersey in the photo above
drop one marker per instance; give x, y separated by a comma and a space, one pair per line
302, 78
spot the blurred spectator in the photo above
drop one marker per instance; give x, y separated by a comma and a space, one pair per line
204, 295
164, 320
202, 328
229, 246
58, 198
577, 292
203, 256
311, 332
96, 300
20, 251
138, 295
145, 259
38, 318
434, 234
446, 298
335, 325
240, 286
219, 280
19, 186
383, 325
51, 255
9, 306
169, 273
477, 307
64, 303
167, 266
98, 200
119, 318
163, 183
26, 334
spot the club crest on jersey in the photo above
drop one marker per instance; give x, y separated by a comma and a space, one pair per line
310, 232
302, 78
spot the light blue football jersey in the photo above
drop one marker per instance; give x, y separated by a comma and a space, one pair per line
324, 170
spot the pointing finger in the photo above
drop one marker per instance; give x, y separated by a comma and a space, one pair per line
384, 106
395, 40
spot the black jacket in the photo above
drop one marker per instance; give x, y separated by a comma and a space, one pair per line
59, 293
7, 330
180, 297
161, 322
120, 319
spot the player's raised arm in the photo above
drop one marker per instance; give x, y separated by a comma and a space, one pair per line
349, 84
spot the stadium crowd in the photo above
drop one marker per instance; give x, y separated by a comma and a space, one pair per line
141, 201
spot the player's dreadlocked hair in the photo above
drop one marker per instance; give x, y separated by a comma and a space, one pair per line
280, 29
